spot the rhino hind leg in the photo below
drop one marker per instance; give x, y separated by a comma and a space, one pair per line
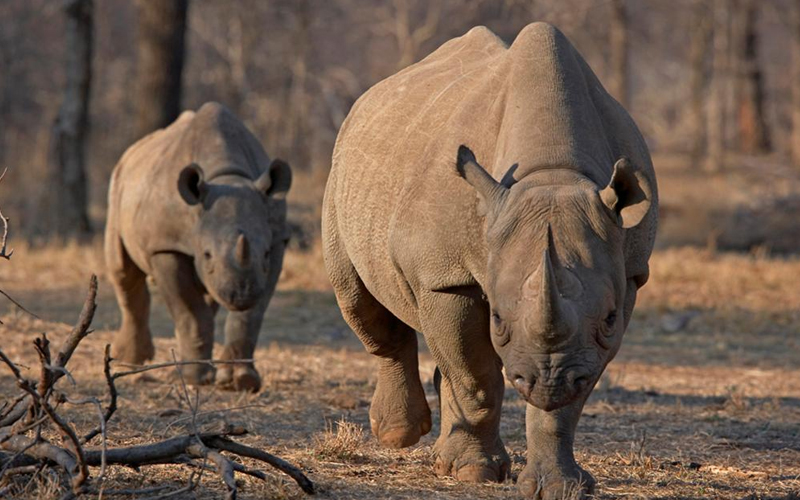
133, 342
191, 310
470, 386
399, 413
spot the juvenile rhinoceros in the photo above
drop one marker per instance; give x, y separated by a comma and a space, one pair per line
200, 209
532, 263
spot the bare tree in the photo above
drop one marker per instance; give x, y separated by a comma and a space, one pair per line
752, 132
160, 54
719, 86
72, 123
618, 42
698, 52
795, 41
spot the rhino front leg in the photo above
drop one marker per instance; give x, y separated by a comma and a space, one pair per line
471, 388
191, 311
551, 472
241, 337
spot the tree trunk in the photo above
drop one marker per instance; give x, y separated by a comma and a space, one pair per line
698, 52
70, 214
719, 86
795, 41
752, 130
618, 41
160, 54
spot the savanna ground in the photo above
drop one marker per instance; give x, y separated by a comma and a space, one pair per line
703, 400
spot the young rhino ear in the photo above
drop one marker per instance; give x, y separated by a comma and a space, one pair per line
276, 181
191, 184
628, 194
492, 194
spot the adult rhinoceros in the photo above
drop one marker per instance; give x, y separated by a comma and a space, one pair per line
531, 263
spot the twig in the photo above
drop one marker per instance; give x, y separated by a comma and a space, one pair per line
222, 443
102, 426
80, 330
112, 404
212, 412
3, 253
10, 298
147, 368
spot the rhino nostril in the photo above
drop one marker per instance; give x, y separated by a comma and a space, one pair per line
523, 386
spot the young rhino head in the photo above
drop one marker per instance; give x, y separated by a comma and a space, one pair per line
556, 276
239, 232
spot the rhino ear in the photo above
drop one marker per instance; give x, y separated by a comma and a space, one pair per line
492, 193
628, 194
191, 184
276, 181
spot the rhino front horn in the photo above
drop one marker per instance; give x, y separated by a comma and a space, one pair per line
242, 250
552, 323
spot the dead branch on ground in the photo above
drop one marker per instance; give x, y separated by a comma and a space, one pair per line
25, 420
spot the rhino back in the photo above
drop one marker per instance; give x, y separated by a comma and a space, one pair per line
401, 137
404, 215
144, 204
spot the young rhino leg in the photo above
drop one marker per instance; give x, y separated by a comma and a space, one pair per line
133, 343
241, 337
471, 387
193, 315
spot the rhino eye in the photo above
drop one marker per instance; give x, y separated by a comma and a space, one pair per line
500, 330
611, 320
207, 255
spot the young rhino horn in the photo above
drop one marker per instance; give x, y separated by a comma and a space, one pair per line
551, 321
242, 250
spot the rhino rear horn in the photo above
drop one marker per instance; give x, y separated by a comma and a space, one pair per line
492, 193
277, 180
628, 194
191, 184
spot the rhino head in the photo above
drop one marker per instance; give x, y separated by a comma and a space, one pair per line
236, 231
556, 280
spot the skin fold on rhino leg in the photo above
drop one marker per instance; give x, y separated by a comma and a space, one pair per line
193, 315
471, 388
241, 337
133, 343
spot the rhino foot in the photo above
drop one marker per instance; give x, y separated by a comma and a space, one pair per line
399, 416
132, 348
238, 378
455, 458
555, 483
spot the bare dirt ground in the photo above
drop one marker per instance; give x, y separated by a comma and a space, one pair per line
703, 400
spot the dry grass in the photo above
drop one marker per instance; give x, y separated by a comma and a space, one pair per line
341, 441
703, 400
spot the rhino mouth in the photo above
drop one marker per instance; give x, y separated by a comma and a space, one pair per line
551, 395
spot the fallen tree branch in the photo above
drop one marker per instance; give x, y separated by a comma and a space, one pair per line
37, 406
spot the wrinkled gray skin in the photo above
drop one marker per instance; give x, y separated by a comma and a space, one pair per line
530, 263
199, 208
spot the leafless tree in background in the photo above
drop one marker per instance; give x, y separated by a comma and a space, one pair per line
719, 85
752, 132
161, 28
698, 52
69, 213
795, 44
618, 44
